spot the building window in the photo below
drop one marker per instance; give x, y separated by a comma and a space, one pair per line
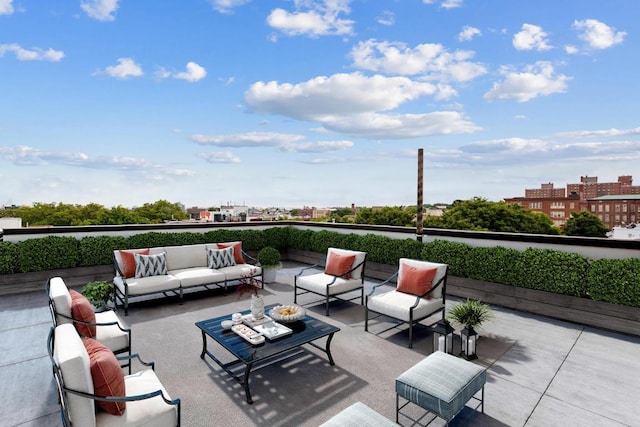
617, 218
556, 214
593, 208
557, 205
632, 218
600, 208
572, 205
617, 207
535, 205
606, 218
632, 208
606, 208
624, 207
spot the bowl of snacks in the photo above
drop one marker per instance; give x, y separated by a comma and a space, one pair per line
287, 313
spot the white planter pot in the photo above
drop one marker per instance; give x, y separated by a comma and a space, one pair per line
269, 275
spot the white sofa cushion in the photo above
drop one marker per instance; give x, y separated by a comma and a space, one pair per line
187, 256
239, 271
73, 360
198, 276
149, 412
148, 285
318, 283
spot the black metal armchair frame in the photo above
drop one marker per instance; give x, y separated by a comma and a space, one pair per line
55, 314
62, 389
412, 320
326, 295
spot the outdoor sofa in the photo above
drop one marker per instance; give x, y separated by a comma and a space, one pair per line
172, 269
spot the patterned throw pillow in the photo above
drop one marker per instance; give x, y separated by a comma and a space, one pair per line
107, 376
416, 281
218, 258
237, 250
338, 265
150, 265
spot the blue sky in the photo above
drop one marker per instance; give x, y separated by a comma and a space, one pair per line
319, 103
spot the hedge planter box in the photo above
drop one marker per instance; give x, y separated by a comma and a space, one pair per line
584, 311
74, 277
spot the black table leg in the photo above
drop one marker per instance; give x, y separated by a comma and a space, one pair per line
204, 345
245, 383
328, 350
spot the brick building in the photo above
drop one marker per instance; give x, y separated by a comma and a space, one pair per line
606, 200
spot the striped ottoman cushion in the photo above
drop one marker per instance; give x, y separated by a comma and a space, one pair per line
441, 383
358, 415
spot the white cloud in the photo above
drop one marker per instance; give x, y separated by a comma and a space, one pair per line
193, 73
446, 4
283, 141
571, 49
35, 54
598, 35
313, 19
532, 37
600, 133
6, 8
219, 157
227, 6
536, 80
126, 68
429, 59
468, 33
101, 10
387, 18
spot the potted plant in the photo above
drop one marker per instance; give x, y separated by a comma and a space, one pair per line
269, 259
99, 293
470, 314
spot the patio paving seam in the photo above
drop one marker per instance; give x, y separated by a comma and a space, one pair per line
564, 359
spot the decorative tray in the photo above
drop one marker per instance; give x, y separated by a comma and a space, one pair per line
249, 320
273, 330
248, 334
287, 313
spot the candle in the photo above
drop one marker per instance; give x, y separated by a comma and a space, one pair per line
441, 343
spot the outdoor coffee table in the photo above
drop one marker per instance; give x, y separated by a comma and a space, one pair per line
305, 331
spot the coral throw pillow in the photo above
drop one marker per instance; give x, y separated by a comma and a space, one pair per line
337, 265
237, 250
108, 379
81, 309
416, 281
129, 262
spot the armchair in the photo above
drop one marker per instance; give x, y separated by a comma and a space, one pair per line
420, 293
147, 402
110, 330
343, 273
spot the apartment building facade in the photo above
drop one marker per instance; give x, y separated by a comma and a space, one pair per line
615, 203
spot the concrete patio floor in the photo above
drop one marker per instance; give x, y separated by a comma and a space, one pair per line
541, 371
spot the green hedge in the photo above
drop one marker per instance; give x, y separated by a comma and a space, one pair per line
615, 281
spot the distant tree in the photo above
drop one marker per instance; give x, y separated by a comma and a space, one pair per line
294, 212
584, 223
161, 211
387, 215
482, 215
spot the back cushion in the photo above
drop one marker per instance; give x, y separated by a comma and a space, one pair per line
188, 256
81, 309
59, 294
73, 360
360, 257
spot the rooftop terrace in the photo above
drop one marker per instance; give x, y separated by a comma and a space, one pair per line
541, 371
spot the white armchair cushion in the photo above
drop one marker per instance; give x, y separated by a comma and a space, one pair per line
442, 271
111, 336
318, 283
59, 294
148, 412
359, 258
73, 360
396, 304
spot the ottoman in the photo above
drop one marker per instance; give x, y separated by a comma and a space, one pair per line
442, 384
358, 415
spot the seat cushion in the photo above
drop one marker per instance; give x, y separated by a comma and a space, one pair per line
81, 309
318, 283
397, 304
239, 271
111, 336
198, 276
148, 412
441, 383
358, 415
148, 285
107, 376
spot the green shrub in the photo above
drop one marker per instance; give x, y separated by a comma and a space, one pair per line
615, 280
493, 264
269, 257
454, 254
47, 253
300, 239
553, 271
8, 258
222, 235
377, 248
98, 250
278, 237
252, 240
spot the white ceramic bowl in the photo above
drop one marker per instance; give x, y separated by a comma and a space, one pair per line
287, 313
226, 324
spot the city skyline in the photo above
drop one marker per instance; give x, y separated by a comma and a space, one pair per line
312, 103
